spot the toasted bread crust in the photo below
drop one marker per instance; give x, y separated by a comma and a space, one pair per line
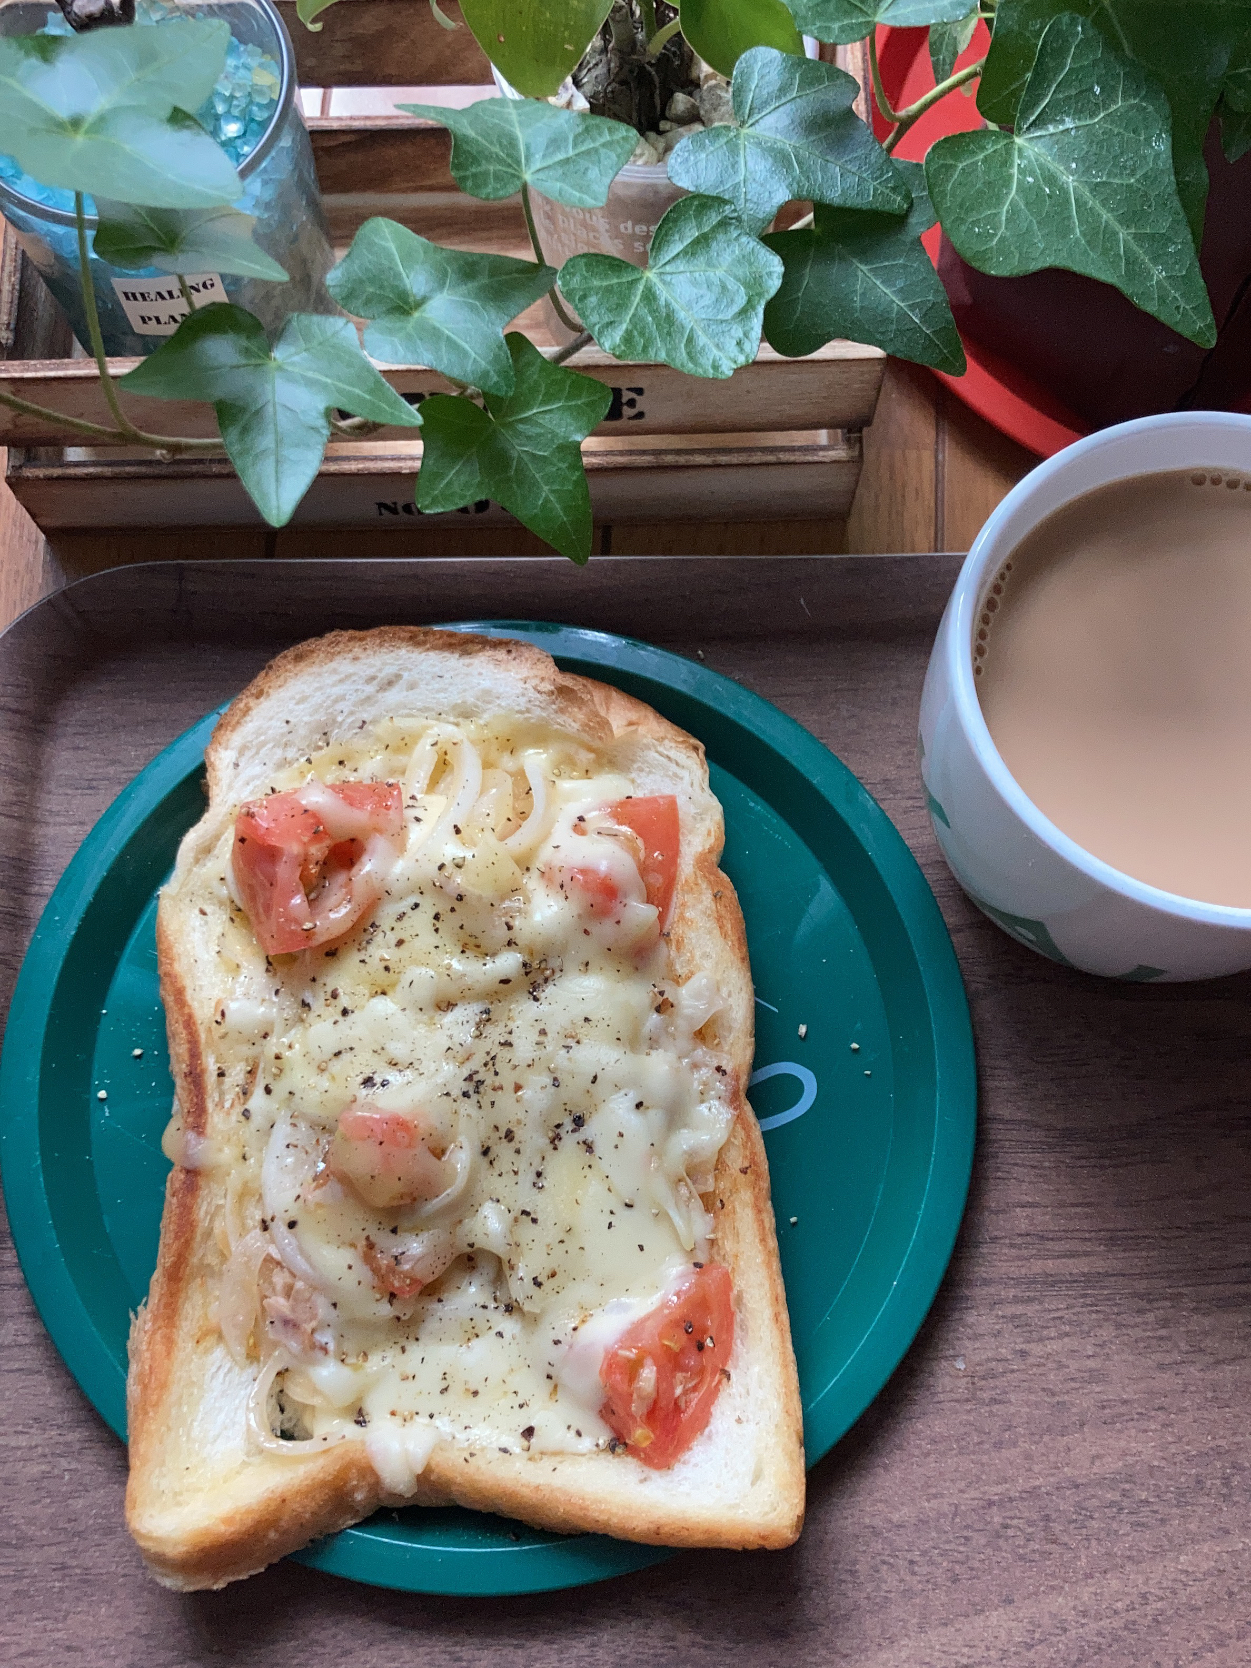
267, 1507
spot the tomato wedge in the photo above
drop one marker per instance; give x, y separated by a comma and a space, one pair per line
655, 820
663, 1374
306, 863
383, 1157
598, 891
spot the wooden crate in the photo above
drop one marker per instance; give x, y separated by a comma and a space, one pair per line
781, 439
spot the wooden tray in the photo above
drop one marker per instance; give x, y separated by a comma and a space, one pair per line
778, 440
1057, 1474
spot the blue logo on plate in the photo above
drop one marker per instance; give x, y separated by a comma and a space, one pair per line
787, 1068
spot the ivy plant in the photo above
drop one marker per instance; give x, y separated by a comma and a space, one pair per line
1089, 157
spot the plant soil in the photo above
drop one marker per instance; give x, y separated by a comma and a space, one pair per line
82, 15
619, 80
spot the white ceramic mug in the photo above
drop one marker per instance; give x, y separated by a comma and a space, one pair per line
1016, 865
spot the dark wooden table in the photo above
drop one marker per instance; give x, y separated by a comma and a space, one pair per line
1056, 1477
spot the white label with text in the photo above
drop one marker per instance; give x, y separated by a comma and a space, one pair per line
155, 306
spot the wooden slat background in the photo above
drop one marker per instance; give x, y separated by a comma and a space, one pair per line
772, 393
385, 43
932, 473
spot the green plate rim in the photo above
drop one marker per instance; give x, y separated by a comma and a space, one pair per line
546, 1566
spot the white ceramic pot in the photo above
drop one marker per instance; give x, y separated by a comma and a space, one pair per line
637, 199
1016, 865
624, 226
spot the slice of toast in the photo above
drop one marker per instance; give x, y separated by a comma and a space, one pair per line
225, 1478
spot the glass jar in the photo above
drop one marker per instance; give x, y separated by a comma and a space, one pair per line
254, 113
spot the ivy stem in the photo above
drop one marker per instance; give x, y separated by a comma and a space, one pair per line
98, 431
80, 425
186, 293
802, 224
879, 92
354, 428
648, 10
533, 230
93, 322
914, 112
126, 432
662, 37
565, 318
581, 340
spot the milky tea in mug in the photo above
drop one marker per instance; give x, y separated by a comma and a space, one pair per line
1112, 659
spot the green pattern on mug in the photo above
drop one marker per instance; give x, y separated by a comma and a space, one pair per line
1032, 933
1037, 936
935, 809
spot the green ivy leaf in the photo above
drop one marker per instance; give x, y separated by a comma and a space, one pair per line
845, 21
1186, 46
865, 276
948, 41
1235, 132
105, 112
722, 30
273, 405
797, 137
501, 144
181, 240
427, 305
1084, 182
697, 305
523, 450
534, 44
1238, 78
307, 10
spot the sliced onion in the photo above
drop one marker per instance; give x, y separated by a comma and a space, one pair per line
351, 894
426, 1256
462, 796
341, 820
373, 869
459, 796
462, 1158
530, 833
260, 1431
422, 764
497, 785
239, 1294
232, 1209
288, 1161
288, 1249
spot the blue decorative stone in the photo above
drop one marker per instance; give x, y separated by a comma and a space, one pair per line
280, 192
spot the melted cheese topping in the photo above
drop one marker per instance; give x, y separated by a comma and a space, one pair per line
553, 1059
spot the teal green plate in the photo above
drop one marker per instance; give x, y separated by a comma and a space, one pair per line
869, 1118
